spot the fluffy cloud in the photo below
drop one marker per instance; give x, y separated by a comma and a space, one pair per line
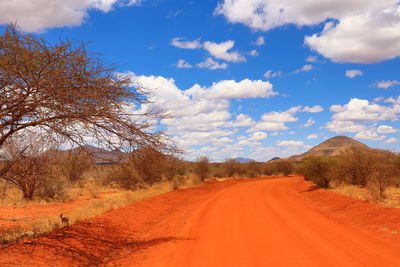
290, 143
221, 51
232, 89
275, 120
362, 110
268, 126
314, 109
353, 73
269, 14
369, 135
366, 30
386, 129
344, 127
386, 84
178, 42
210, 64
35, 16
275, 116
243, 120
182, 64
360, 116
201, 115
258, 136
309, 123
360, 38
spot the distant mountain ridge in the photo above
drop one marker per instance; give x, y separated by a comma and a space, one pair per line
102, 156
332, 147
244, 160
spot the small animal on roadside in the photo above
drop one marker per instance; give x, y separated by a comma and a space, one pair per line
64, 220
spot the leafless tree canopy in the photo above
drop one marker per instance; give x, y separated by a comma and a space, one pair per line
64, 90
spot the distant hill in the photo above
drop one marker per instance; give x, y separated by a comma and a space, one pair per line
274, 158
244, 160
332, 147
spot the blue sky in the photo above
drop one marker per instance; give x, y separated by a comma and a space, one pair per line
248, 78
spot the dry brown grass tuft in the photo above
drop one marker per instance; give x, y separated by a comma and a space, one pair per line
95, 206
392, 194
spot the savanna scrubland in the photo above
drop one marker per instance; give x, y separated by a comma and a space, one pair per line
78, 140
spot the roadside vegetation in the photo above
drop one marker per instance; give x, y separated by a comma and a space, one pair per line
368, 174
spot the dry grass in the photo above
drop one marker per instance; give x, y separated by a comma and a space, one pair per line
98, 199
95, 206
392, 194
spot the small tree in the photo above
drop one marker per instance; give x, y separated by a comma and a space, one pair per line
319, 169
26, 165
231, 167
356, 165
149, 164
284, 166
383, 171
203, 167
76, 164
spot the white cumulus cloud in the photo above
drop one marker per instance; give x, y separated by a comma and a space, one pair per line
364, 31
38, 15
369, 135
181, 43
386, 129
182, 64
222, 51
289, 143
211, 64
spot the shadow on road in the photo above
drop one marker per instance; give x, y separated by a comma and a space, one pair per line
310, 189
83, 244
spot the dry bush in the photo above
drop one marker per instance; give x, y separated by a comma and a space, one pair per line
232, 166
355, 165
319, 169
203, 167
269, 168
149, 164
284, 167
76, 164
27, 166
125, 176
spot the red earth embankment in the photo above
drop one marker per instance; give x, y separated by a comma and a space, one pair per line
253, 222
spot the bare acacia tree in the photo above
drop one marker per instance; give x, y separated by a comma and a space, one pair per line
26, 165
64, 90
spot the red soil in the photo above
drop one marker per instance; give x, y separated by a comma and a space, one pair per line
253, 222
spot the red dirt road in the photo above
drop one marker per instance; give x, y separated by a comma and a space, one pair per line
263, 222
